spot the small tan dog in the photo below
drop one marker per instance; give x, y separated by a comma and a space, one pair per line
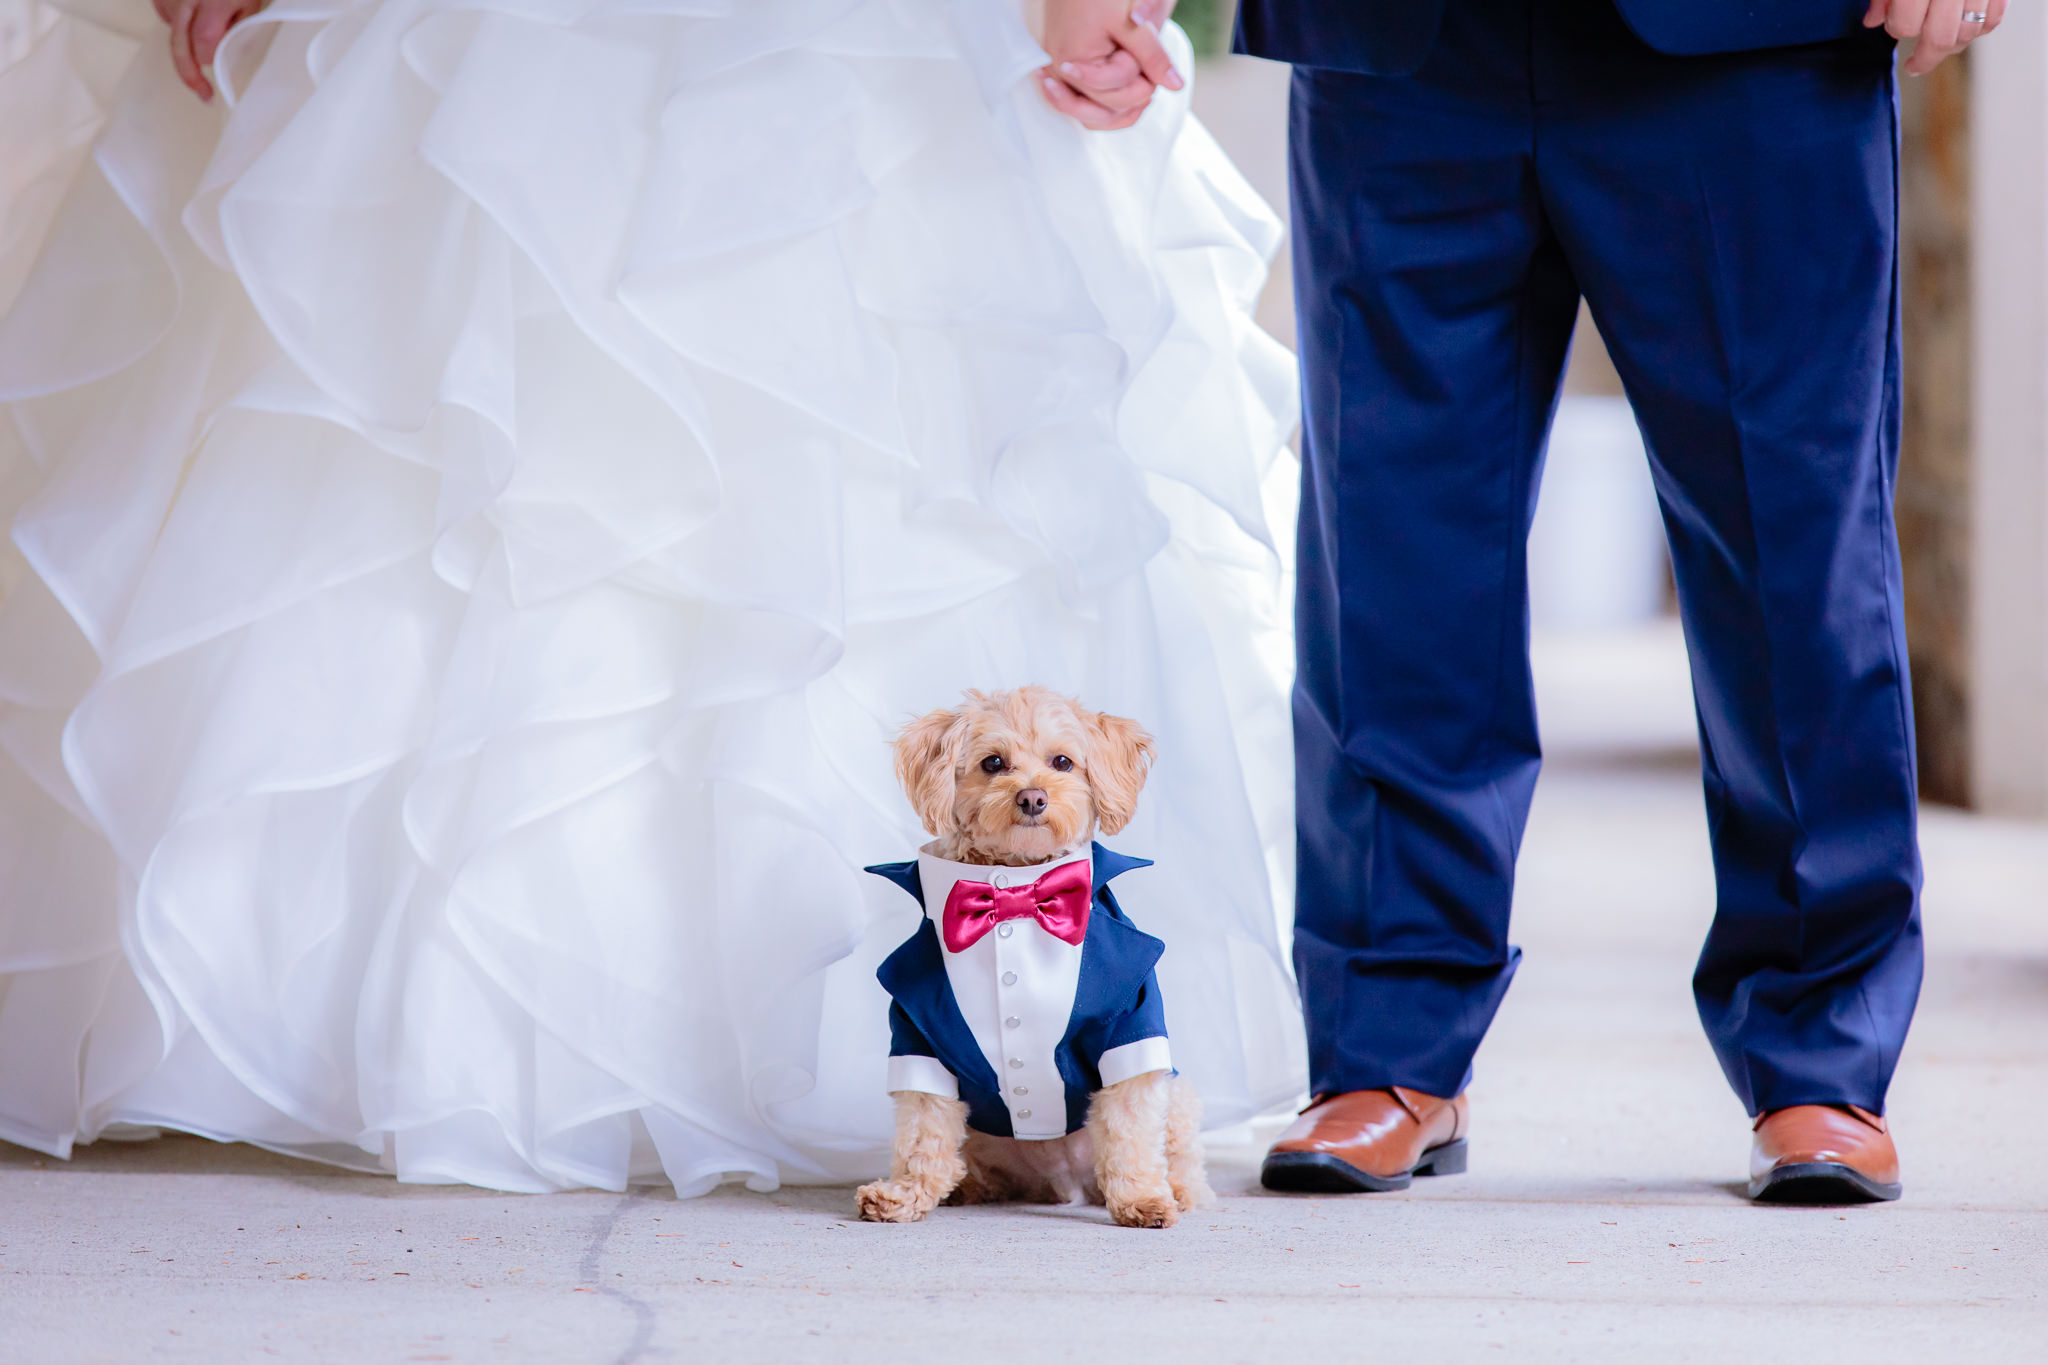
1015, 1074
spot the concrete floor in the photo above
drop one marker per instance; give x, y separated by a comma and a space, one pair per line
1602, 1218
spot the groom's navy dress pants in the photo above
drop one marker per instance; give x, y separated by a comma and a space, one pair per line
1730, 221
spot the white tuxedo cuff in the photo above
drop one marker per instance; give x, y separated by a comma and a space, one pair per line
926, 1075
1135, 1059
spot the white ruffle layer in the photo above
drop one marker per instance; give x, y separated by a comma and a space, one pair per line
484, 493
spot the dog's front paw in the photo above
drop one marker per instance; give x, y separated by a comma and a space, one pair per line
1155, 1210
890, 1201
1191, 1191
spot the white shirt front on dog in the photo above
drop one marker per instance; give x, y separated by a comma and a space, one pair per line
1015, 988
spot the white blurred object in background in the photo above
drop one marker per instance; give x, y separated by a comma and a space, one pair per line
1609, 661
1596, 553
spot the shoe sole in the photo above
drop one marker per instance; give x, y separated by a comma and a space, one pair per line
1321, 1173
1820, 1182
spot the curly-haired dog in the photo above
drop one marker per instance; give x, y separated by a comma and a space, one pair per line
1029, 1057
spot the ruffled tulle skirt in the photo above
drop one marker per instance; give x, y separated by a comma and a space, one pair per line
483, 494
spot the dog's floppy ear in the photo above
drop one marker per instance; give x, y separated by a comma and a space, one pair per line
1117, 763
928, 763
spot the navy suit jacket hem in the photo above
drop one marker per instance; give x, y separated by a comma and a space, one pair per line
1395, 39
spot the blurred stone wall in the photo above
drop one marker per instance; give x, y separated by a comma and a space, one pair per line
1933, 504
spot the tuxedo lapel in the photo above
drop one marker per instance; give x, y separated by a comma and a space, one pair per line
1110, 864
904, 875
915, 975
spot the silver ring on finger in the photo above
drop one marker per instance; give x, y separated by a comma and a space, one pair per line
1976, 16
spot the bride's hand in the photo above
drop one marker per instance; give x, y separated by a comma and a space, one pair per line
1107, 59
197, 26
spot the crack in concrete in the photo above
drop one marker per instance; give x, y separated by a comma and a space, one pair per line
593, 1258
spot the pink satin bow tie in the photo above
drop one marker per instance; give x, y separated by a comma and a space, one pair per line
1059, 900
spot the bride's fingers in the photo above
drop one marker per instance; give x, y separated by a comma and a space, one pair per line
181, 52
215, 24
1118, 99
208, 29
1085, 112
1113, 72
1060, 96
166, 10
1114, 81
1142, 42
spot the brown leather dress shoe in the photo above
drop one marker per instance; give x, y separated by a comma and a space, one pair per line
1368, 1140
1822, 1154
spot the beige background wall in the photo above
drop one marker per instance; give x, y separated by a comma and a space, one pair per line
2008, 559
1933, 498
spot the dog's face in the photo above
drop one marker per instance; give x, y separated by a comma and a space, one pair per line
1020, 777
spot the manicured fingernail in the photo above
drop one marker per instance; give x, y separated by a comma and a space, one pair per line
1173, 78
1052, 87
1067, 69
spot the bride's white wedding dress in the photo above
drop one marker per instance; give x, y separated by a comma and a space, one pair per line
485, 491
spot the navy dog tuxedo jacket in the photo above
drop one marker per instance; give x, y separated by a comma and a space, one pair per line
1020, 1022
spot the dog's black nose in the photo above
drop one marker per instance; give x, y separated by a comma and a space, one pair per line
1031, 801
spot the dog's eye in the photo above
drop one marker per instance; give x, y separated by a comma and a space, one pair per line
1062, 764
992, 764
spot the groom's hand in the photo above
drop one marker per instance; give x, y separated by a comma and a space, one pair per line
1939, 28
1106, 59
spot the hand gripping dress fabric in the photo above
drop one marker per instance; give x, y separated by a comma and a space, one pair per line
483, 493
